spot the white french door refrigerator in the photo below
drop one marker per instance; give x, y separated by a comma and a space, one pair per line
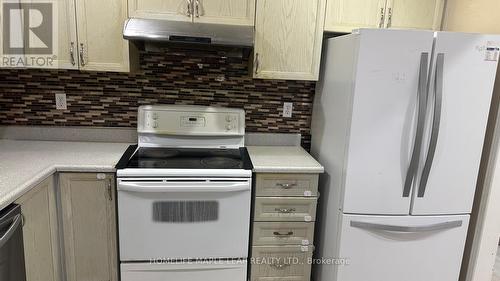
399, 122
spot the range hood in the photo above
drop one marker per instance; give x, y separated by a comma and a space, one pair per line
188, 32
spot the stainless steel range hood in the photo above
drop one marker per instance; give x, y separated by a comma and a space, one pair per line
188, 32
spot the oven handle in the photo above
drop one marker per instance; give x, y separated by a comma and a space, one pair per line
175, 187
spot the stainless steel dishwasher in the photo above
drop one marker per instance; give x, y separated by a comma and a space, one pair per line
11, 245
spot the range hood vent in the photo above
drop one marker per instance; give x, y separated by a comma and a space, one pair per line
187, 32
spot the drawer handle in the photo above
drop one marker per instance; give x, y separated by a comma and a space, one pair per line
280, 265
277, 233
285, 210
286, 185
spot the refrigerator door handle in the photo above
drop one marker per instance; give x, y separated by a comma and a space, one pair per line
407, 229
438, 101
417, 144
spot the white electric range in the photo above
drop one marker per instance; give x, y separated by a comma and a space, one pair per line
184, 196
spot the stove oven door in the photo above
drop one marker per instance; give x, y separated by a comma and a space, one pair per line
178, 218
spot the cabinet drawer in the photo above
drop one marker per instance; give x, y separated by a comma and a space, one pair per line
283, 233
285, 209
281, 263
287, 185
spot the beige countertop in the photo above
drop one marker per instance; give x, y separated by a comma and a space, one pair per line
283, 159
24, 164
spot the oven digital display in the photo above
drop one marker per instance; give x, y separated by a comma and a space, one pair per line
192, 121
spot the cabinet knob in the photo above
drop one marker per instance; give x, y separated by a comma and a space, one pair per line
382, 17
189, 8
82, 54
72, 53
257, 63
285, 210
280, 265
286, 185
389, 18
197, 8
279, 234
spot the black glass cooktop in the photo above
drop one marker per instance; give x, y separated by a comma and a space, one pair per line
189, 158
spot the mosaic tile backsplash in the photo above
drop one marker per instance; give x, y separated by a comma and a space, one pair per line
168, 76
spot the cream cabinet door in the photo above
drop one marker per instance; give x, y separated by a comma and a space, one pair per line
40, 233
101, 46
235, 12
288, 38
17, 23
282, 263
89, 226
346, 15
67, 46
178, 10
418, 14
66, 36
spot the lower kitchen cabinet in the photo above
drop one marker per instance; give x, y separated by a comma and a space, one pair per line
89, 226
40, 233
85, 216
282, 233
283, 226
281, 263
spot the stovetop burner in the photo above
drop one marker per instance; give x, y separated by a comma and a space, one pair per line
189, 158
220, 162
156, 153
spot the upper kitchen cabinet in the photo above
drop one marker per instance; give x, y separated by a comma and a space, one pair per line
89, 36
347, 15
234, 12
179, 10
66, 36
418, 14
288, 38
101, 46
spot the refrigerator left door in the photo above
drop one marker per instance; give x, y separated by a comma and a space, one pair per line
465, 66
396, 248
382, 123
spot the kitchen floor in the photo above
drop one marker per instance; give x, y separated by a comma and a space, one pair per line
496, 269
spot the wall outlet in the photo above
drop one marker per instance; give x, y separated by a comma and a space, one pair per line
287, 109
61, 101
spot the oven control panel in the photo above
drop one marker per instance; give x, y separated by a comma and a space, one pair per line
191, 120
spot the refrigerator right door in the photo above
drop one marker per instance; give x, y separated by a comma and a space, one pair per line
460, 94
397, 248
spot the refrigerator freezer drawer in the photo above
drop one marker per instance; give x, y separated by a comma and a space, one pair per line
285, 209
287, 185
395, 248
283, 233
222, 271
281, 263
